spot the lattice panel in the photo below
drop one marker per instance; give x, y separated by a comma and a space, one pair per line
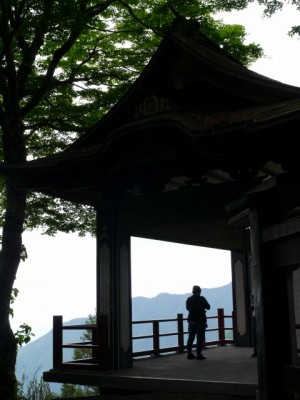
104, 254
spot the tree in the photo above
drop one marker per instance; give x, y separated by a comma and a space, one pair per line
63, 64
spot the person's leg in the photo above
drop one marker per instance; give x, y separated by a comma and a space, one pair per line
191, 338
200, 339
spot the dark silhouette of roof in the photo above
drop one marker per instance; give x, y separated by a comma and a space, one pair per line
194, 117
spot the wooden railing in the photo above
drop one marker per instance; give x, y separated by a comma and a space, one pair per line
58, 345
93, 345
155, 335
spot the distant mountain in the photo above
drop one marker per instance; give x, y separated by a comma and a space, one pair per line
36, 357
166, 305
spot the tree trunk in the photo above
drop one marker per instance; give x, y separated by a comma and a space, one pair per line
9, 262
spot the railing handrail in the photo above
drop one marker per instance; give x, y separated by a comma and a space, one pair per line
172, 319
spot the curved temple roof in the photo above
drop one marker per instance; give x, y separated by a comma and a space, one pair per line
194, 117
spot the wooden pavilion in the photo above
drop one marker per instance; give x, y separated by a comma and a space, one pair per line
201, 151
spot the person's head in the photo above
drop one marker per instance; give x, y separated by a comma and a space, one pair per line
196, 290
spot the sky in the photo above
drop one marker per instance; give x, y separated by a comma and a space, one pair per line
282, 53
58, 278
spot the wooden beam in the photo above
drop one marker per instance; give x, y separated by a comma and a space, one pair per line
199, 233
285, 253
281, 230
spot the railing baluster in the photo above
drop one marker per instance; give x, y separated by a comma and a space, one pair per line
103, 341
221, 326
57, 341
180, 333
156, 338
233, 319
95, 341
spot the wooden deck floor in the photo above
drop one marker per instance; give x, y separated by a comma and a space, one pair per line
229, 372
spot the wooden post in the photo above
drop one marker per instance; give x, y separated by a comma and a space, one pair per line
57, 341
113, 291
156, 338
221, 326
270, 283
180, 333
104, 343
233, 318
107, 287
96, 341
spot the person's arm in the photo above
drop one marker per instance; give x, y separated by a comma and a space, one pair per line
206, 304
187, 304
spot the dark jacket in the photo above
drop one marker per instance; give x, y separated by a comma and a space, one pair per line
197, 306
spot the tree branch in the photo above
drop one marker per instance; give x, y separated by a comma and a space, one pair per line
131, 12
98, 8
60, 52
30, 52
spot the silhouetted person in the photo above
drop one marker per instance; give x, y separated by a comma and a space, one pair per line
197, 322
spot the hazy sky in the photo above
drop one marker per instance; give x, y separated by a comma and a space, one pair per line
282, 53
59, 276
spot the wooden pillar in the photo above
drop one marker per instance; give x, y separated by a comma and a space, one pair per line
272, 303
113, 292
124, 298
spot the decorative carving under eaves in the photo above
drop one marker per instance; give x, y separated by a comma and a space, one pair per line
152, 105
149, 155
179, 79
